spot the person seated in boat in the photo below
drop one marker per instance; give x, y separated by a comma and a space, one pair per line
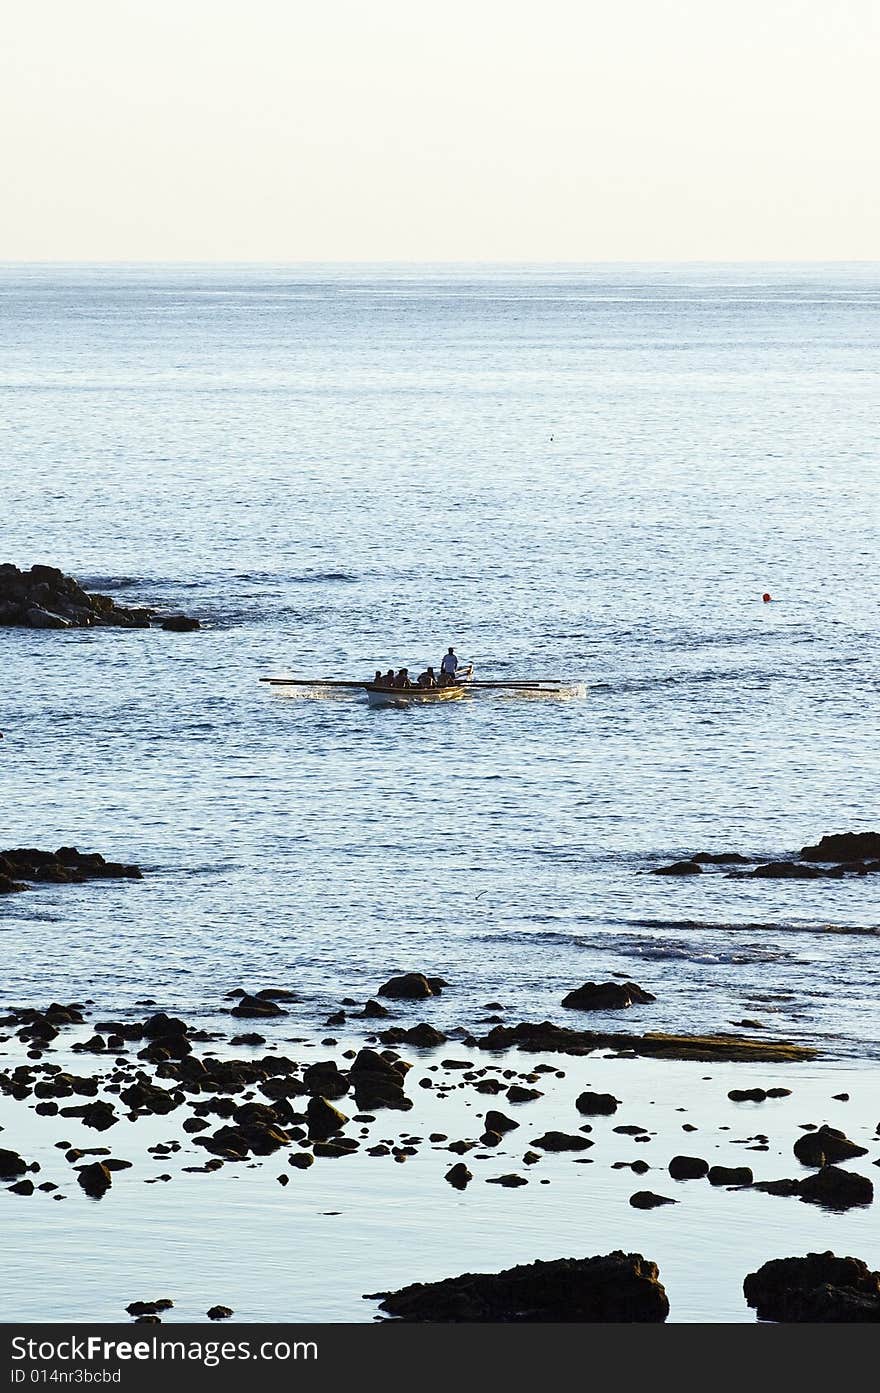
402, 678
378, 680
447, 679
427, 679
388, 679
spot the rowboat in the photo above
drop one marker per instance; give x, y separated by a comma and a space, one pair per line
402, 697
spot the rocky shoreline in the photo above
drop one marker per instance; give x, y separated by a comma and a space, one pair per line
44, 598
240, 1099
832, 858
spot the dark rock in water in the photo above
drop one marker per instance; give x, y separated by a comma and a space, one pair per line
374, 1009
606, 996
458, 1176
149, 1308
301, 1159
65, 866
323, 1118
249, 1039
179, 624
721, 858
748, 1095
378, 1081
423, 1035
510, 1181
160, 1026
843, 846
219, 1313
836, 1189
825, 1146
646, 1199
257, 1006
730, 1175
8, 886
24, 1187
142, 1096
95, 1179
516, 1093
324, 1080
546, 1036
786, 870
44, 598
688, 1168
678, 868
596, 1104
498, 1122
778, 1187
561, 1141
11, 1165
619, 1287
819, 1288
339, 1146
413, 986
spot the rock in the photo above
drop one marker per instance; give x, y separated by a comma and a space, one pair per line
678, 868
836, 1189
12, 1165
324, 1119
498, 1122
606, 996
411, 986
65, 866
517, 1094
95, 1179
730, 1175
819, 1288
374, 1009
325, 1080
843, 846
825, 1146
378, 1081
179, 624
160, 1026
149, 1308
219, 1312
301, 1159
619, 1287
546, 1036
785, 870
24, 1187
646, 1199
510, 1182
423, 1035
458, 1176
688, 1168
44, 598
561, 1141
721, 858
596, 1104
256, 1006
748, 1095
339, 1146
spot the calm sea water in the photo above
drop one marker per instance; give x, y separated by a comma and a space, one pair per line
581, 472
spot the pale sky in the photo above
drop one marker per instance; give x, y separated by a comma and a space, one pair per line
545, 130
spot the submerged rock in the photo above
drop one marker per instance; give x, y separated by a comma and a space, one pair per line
412, 986
545, 1036
646, 1199
818, 1288
619, 1287
678, 868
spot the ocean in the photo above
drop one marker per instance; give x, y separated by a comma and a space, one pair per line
585, 472
590, 473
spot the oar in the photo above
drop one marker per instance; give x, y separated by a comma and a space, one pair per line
521, 685
313, 682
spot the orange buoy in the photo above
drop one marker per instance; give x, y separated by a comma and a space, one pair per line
766, 598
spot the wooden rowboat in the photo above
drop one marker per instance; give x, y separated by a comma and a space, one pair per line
412, 696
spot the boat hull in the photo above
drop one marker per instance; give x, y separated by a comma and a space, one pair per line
401, 697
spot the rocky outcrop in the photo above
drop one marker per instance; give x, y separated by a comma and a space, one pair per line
826, 1146
65, 866
547, 1036
596, 1104
378, 1081
843, 846
45, 598
619, 1287
606, 996
819, 1288
830, 1186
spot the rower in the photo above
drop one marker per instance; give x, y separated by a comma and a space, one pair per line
427, 678
402, 678
388, 680
377, 680
449, 664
